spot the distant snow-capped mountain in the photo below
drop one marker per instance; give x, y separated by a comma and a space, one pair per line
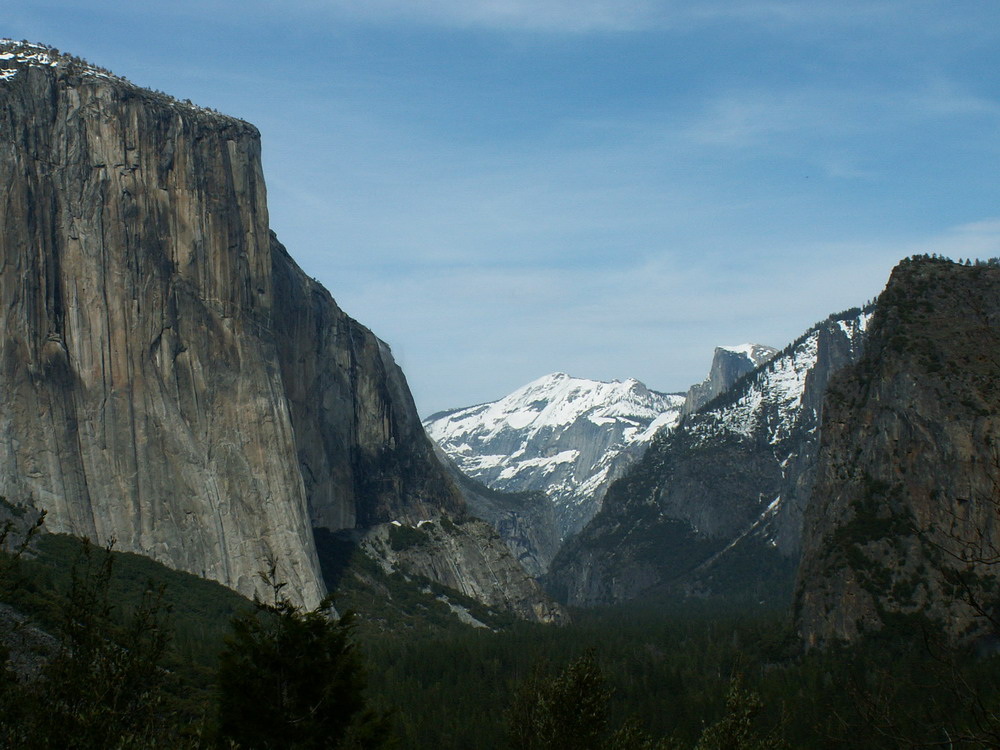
569, 437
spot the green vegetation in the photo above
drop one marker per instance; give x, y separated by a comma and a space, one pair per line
404, 537
293, 680
150, 658
271, 675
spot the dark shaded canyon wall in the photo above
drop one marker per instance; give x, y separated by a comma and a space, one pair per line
908, 480
363, 452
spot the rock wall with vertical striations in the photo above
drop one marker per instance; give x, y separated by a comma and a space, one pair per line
140, 395
169, 378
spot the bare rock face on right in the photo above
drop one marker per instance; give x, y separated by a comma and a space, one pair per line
903, 528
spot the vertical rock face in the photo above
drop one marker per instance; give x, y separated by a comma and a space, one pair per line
363, 453
908, 482
715, 505
729, 364
169, 377
140, 400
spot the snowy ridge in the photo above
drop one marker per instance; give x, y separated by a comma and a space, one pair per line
756, 353
16, 55
552, 401
781, 384
771, 398
569, 437
769, 407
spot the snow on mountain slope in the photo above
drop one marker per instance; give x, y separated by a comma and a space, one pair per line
569, 437
716, 504
771, 403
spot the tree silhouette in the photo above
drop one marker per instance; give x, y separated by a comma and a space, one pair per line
292, 679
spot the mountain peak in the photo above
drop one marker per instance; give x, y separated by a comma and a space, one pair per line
558, 433
728, 364
758, 354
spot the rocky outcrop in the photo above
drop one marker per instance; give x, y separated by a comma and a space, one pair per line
467, 556
526, 521
729, 364
715, 505
903, 525
169, 377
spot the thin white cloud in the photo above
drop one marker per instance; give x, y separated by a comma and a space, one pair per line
466, 335
576, 16
754, 118
536, 15
941, 97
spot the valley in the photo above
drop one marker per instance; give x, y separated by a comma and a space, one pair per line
224, 523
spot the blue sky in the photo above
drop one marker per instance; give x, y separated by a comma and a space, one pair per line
501, 188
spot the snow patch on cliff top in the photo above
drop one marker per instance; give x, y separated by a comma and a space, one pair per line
23, 54
756, 353
15, 56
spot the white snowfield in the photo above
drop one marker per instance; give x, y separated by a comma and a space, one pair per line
779, 384
563, 435
553, 401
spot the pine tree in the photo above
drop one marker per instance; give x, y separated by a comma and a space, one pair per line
103, 688
565, 711
292, 679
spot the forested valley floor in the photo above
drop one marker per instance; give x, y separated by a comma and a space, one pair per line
406, 673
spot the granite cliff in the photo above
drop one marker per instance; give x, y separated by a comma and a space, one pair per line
169, 378
902, 528
729, 364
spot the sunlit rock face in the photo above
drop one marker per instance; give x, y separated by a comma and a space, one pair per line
141, 399
170, 378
